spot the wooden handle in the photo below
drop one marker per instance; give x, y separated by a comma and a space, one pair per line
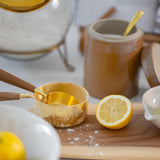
11, 79
109, 13
82, 29
5, 96
151, 37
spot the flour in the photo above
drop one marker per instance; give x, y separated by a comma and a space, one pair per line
71, 142
101, 153
96, 131
76, 139
70, 130
36, 30
86, 139
96, 144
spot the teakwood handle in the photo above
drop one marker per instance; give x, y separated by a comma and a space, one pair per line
4, 96
151, 37
13, 80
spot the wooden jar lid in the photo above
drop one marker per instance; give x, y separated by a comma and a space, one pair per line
151, 63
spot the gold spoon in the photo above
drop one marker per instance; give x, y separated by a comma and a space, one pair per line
50, 98
56, 97
135, 19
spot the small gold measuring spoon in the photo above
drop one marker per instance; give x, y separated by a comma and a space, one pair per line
61, 98
50, 98
135, 19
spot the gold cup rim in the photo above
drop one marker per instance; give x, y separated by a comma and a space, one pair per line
84, 90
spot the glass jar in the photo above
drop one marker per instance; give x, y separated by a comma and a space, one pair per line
33, 33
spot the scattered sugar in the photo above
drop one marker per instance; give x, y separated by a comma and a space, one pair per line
87, 138
71, 143
96, 144
96, 131
76, 139
100, 153
90, 136
60, 131
88, 154
70, 130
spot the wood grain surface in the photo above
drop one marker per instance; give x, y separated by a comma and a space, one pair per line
89, 140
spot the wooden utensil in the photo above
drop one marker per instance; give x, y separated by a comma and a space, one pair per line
4, 96
13, 80
53, 97
110, 12
151, 37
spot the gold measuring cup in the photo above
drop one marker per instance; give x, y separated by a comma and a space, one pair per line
67, 102
49, 98
63, 115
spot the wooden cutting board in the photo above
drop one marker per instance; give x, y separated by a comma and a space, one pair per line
139, 140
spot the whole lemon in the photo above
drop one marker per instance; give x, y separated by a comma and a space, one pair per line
11, 148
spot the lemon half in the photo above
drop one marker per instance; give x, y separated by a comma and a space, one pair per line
114, 111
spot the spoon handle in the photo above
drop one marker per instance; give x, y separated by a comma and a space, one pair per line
13, 80
133, 22
7, 96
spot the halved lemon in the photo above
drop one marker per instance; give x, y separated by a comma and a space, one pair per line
114, 111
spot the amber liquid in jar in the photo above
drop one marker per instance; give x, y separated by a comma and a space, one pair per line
22, 5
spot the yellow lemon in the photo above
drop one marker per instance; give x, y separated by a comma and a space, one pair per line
114, 111
11, 148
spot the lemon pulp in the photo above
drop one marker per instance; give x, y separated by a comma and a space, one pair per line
114, 111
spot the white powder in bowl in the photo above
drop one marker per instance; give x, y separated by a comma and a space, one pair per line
36, 30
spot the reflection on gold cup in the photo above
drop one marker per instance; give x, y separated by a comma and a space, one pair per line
63, 115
